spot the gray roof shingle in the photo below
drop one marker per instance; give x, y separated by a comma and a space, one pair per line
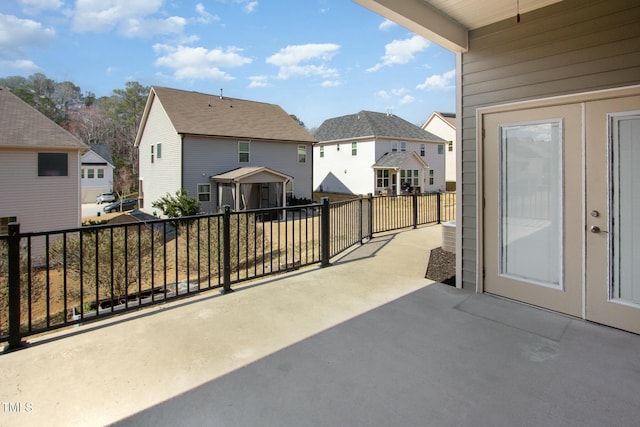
24, 126
212, 115
371, 124
102, 150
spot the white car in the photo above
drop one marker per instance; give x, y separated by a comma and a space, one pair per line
105, 198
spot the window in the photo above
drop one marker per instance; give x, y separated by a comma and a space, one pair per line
100, 173
53, 164
354, 148
302, 154
440, 149
4, 223
450, 145
158, 151
90, 173
382, 178
423, 148
409, 178
322, 151
403, 146
430, 176
394, 146
152, 154
243, 152
204, 192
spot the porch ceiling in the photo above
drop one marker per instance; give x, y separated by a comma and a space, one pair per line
447, 22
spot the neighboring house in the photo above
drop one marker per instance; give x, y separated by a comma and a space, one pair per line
550, 145
39, 169
96, 173
224, 151
376, 153
444, 126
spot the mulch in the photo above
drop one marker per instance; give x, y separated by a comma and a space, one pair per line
442, 267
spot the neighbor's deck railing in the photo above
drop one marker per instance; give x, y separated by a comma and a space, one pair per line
54, 279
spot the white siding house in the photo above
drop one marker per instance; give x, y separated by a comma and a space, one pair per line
444, 126
96, 172
193, 141
548, 101
39, 169
353, 156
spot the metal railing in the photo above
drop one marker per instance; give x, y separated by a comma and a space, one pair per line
54, 279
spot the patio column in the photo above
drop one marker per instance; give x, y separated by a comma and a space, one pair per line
238, 195
284, 192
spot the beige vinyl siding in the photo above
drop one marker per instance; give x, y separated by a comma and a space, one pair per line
569, 47
163, 175
40, 203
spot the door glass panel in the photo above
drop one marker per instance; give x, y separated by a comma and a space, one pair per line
530, 215
625, 209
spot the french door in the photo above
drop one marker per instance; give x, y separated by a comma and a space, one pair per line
561, 219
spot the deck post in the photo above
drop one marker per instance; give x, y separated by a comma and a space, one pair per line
226, 250
15, 336
325, 233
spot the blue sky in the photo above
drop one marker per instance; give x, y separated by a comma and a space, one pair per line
317, 59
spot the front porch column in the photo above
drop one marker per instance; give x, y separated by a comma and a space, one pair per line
398, 183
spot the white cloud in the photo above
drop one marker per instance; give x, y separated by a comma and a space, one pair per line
148, 27
401, 51
259, 81
438, 81
23, 65
204, 16
250, 6
392, 93
16, 33
407, 99
41, 4
132, 18
293, 60
331, 83
199, 62
386, 24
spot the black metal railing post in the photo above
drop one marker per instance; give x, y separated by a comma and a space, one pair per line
226, 250
325, 233
370, 213
15, 336
438, 207
414, 206
360, 213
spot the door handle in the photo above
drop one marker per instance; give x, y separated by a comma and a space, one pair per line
595, 229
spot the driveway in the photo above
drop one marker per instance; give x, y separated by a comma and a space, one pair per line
92, 209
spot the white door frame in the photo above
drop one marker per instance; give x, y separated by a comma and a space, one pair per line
523, 105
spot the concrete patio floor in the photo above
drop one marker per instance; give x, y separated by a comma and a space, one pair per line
366, 341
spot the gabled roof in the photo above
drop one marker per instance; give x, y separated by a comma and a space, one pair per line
396, 159
102, 150
23, 126
448, 118
195, 113
239, 174
369, 124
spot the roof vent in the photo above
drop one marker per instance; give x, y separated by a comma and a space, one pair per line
221, 94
